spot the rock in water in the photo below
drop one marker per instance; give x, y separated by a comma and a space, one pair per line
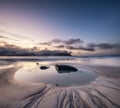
44, 67
65, 68
37, 63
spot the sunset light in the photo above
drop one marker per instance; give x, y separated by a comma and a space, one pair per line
59, 53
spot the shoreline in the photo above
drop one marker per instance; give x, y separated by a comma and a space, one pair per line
103, 92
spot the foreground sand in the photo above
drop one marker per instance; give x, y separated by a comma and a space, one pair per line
103, 92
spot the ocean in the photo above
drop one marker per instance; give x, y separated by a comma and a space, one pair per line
32, 72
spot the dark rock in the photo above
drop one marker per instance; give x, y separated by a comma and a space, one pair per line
44, 67
37, 63
65, 68
56, 85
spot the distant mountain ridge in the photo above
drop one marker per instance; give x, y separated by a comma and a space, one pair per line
30, 53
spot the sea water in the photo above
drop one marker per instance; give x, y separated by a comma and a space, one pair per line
31, 71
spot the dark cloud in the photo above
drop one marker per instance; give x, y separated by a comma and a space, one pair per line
13, 50
73, 41
80, 48
10, 49
35, 49
105, 45
54, 53
60, 46
67, 42
59, 41
50, 42
44, 43
56, 41
95, 49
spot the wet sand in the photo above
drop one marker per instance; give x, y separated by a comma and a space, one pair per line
103, 92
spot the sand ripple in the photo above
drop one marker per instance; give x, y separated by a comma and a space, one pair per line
104, 92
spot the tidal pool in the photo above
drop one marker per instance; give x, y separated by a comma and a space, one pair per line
32, 72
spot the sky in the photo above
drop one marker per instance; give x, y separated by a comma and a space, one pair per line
92, 26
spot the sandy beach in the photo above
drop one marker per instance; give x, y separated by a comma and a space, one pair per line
59, 53
103, 92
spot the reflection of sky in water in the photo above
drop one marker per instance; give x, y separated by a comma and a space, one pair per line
112, 61
103, 61
5, 64
32, 72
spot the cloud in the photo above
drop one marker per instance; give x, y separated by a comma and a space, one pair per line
59, 41
56, 41
80, 48
4, 37
57, 49
105, 45
45, 43
67, 42
13, 35
73, 41
13, 50
3, 42
10, 49
48, 43
54, 53
60, 46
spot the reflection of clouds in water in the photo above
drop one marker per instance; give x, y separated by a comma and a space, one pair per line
104, 89
5, 64
106, 61
2, 62
32, 72
103, 61
86, 60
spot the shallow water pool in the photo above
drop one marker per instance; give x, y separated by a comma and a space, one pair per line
32, 72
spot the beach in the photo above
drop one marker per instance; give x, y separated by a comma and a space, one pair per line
102, 92
59, 54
